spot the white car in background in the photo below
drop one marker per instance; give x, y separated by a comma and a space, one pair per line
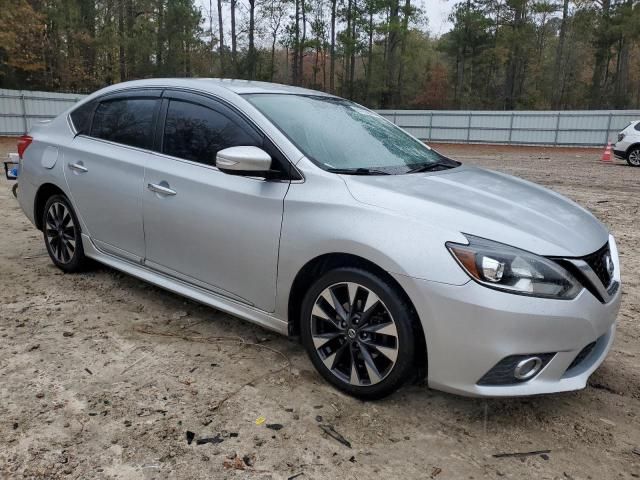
628, 144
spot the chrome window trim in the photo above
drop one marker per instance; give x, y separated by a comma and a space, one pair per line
99, 99
71, 125
182, 160
196, 92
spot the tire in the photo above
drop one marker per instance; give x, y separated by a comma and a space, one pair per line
633, 157
373, 324
61, 232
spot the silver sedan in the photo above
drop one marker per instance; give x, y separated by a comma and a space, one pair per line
315, 217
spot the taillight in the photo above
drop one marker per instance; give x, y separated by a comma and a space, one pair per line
23, 142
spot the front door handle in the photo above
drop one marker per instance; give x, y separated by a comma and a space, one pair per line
78, 167
161, 189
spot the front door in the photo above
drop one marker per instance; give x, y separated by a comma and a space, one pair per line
212, 229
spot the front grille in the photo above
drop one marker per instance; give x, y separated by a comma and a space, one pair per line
502, 372
584, 353
598, 263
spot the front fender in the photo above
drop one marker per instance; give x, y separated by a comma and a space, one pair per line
321, 217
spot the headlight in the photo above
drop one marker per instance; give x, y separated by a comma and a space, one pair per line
502, 267
620, 137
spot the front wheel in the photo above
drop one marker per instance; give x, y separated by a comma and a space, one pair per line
62, 235
633, 158
359, 332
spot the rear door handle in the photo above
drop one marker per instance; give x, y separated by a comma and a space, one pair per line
161, 189
78, 167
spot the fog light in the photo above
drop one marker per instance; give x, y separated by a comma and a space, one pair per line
527, 368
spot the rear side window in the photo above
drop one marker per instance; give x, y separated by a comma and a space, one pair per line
81, 117
197, 133
128, 121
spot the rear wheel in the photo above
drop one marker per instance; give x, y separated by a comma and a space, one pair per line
62, 235
633, 158
359, 333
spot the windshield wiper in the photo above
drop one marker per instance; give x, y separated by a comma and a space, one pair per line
430, 167
358, 171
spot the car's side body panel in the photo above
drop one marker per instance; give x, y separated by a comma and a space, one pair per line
107, 192
219, 229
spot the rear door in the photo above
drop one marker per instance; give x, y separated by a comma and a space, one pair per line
215, 230
104, 168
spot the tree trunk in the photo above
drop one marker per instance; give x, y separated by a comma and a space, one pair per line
121, 42
332, 51
369, 56
88, 13
352, 66
461, 60
160, 38
296, 45
403, 50
391, 72
621, 87
601, 58
345, 87
622, 75
302, 43
221, 34
316, 68
130, 46
252, 47
286, 63
234, 58
556, 100
273, 55
515, 61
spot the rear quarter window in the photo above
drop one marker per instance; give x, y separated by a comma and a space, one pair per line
81, 117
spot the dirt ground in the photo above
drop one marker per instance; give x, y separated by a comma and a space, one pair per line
102, 375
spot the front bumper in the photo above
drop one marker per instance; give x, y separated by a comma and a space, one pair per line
470, 328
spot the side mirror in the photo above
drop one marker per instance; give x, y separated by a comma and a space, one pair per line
249, 161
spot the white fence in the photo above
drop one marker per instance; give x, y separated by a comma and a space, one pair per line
20, 108
561, 128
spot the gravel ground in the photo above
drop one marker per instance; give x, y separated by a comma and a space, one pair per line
102, 375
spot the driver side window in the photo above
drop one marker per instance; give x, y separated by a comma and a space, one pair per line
195, 132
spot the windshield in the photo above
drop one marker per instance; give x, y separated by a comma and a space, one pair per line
341, 136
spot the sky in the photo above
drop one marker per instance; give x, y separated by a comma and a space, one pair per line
436, 11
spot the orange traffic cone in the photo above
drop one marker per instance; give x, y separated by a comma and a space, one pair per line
606, 155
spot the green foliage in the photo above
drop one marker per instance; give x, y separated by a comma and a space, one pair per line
498, 54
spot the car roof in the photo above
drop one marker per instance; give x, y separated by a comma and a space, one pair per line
215, 84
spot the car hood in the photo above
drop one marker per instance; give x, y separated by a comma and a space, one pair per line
487, 204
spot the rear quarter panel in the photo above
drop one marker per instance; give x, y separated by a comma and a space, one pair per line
42, 162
